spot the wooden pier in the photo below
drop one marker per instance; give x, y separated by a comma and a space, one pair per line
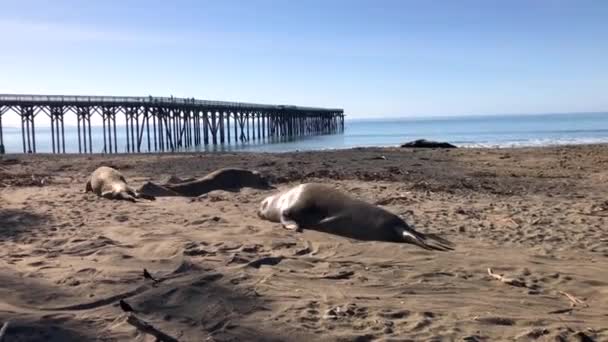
161, 124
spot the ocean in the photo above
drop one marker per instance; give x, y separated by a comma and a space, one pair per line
463, 131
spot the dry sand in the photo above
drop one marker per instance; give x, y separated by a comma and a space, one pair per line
536, 215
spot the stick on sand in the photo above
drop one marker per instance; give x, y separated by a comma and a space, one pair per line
3, 330
575, 301
147, 328
510, 281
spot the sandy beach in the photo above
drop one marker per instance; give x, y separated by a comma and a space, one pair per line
535, 215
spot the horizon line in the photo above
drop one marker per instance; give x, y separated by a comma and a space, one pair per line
449, 116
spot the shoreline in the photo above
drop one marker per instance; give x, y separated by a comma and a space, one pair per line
538, 215
346, 149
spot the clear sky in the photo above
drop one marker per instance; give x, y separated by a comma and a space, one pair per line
373, 58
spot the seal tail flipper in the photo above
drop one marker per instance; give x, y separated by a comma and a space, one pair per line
421, 240
439, 239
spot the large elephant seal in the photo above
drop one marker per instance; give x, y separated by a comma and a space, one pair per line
321, 207
229, 179
109, 183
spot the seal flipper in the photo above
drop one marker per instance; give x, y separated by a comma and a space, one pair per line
118, 195
107, 194
421, 240
137, 194
88, 187
124, 196
439, 239
290, 224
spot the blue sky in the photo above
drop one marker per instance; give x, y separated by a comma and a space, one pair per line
373, 58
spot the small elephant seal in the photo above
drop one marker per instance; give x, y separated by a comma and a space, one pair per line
228, 179
321, 207
109, 183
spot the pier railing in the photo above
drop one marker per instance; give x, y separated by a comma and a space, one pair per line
158, 124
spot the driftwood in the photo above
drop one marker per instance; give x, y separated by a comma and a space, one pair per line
509, 281
3, 331
561, 311
337, 275
147, 328
574, 301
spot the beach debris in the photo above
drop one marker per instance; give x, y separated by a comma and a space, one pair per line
533, 334
330, 314
600, 209
494, 320
197, 251
269, 260
236, 258
601, 206
3, 330
337, 275
583, 337
574, 300
347, 310
536, 221
20, 179
513, 223
560, 311
307, 249
147, 275
509, 281
125, 306
148, 328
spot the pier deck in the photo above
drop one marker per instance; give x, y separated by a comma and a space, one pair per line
161, 124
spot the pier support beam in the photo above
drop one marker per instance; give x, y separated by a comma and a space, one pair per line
85, 143
28, 131
3, 110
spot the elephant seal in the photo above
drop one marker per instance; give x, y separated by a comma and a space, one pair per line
109, 183
321, 207
230, 179
423, 143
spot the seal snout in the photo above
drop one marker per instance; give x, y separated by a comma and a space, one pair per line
262, 208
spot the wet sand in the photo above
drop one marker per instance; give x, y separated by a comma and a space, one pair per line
538, 216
